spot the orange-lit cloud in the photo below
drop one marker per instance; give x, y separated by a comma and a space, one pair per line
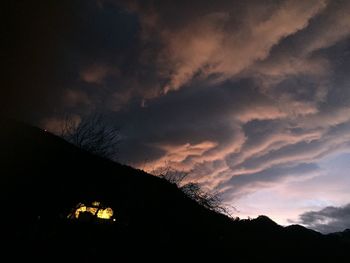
245, 96
212, 44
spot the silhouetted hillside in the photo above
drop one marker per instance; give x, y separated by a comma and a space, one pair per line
44, 178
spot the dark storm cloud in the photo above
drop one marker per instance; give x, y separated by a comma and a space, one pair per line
241, 94
193, 116
289, 50
189, 116
304, 150
328, 220
218, 39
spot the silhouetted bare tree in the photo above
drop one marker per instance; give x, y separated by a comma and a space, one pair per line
172, 175
93, 135
209, 200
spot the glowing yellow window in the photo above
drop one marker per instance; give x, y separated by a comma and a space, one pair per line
94, 210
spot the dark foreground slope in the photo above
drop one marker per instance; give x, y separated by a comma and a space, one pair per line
43, 178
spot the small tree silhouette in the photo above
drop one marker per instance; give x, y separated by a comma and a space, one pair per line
92, 134
171, 175
209, 200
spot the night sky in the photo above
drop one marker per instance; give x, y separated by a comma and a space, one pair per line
251, 98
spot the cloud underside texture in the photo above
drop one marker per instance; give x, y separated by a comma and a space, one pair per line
249, 93
241, 94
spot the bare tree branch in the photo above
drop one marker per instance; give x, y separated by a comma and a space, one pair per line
171, 175
211, 201
92, 135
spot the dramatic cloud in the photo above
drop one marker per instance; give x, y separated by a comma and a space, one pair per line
252, 181
328, 220
221, 41
242, 95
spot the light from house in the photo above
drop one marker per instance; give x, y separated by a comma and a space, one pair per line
95, 210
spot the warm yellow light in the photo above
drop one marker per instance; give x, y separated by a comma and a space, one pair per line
105, 213
80, 209
95, 210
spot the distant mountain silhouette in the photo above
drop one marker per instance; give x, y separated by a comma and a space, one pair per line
43, 178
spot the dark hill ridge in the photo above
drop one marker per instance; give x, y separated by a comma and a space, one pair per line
44, 177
